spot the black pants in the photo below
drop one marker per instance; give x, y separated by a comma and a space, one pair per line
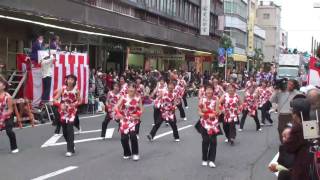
181, 110
134, 150
185, 100
229, 130
244, 116
173, 125
209, 146
76, 124
138, 128
46, 84
104, 126
68, 134
156, 114
265, 113
12, 136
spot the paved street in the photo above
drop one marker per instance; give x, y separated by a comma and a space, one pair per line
162, 159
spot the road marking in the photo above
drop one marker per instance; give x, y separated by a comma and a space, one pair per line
53, 140
275, 161
78, 141
47, 123
170, 132
109, 133
55, 173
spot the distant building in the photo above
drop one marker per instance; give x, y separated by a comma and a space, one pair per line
268, 18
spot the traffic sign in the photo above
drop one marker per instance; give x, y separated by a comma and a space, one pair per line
221, 51
230, 51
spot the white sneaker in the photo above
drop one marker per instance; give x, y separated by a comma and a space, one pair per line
204, 163
177, 140
126, 157
153, 124
187, 107
68, 154
240, 130
260, 129
135, 157
211, 164
138, 137
15, 151
185, 118
227, 140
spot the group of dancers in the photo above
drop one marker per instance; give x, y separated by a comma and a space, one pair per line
218, 103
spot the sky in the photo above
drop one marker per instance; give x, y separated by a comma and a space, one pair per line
302, 21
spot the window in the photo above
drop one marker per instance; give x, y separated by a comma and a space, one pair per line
266, 16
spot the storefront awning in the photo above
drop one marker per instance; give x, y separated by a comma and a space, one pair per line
240, 58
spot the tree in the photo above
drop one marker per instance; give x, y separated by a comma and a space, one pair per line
258, 57
226, 42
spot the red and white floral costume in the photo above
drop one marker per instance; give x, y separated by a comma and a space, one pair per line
201, 93
124, 89
210, 124
250, 103
70, 101
140, 90
3, 108
168, 106
264, 95
231, 107
161, 89
112, 100
128, 108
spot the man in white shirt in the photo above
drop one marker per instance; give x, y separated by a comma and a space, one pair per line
46, 69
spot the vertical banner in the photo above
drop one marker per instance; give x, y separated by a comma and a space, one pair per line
251, 20
205, 18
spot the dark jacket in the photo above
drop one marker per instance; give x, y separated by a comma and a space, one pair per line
298, 146
36, 46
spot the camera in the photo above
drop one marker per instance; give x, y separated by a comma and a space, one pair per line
281, 84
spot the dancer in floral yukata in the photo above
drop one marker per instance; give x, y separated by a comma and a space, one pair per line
209, 111
123, 86
129, 110
179, 91
112, 99
6, 118
67, 108
250, 106
158, 92
231, 105
167, 110
217, 89
264, 93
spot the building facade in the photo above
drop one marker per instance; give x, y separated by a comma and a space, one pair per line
268, 17
115, 33
245, 33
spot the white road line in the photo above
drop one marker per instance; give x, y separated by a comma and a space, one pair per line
47, 123
91, 131
87, 117
170, 132
52, 140
78, 141
275, 161
109, 133
55, 173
